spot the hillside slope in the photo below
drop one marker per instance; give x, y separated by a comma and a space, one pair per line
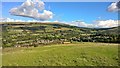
33, 34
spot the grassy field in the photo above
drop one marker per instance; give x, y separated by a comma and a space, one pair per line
74, 54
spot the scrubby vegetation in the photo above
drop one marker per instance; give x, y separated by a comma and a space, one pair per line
34, 34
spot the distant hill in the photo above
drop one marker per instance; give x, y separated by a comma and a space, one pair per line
31, 33
113, 30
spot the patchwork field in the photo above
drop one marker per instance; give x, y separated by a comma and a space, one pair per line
73, 54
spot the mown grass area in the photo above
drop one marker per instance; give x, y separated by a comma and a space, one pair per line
74, 54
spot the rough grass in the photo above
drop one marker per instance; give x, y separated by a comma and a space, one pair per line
0, 56
77, 54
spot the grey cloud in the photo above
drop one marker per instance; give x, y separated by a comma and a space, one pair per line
114, 7
118, 4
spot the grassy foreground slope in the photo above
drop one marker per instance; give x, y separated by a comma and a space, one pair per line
74, 54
